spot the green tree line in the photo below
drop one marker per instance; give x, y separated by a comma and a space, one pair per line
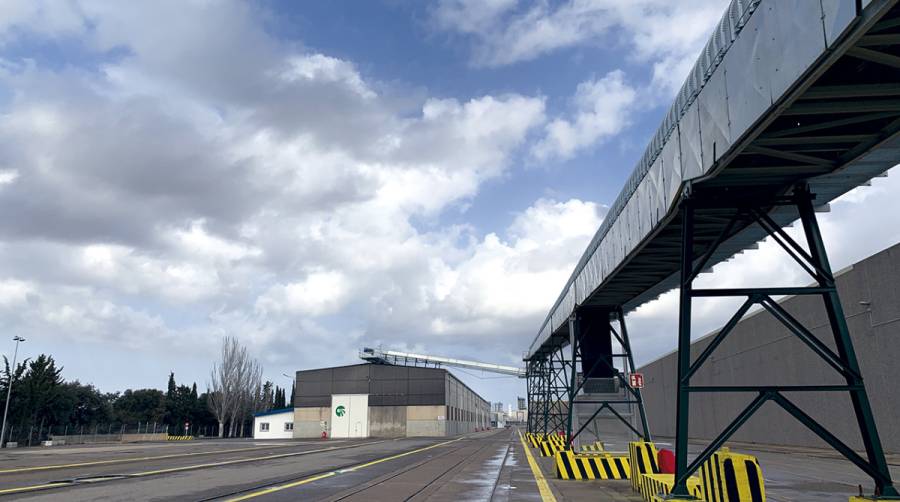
43, 404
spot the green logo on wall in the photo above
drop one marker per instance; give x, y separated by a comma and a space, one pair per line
340, 410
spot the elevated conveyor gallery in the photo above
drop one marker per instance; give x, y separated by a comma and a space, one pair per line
790, 105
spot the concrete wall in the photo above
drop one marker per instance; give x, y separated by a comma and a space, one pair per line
426, 421
387, 421
760, 351
308, 421
109, 438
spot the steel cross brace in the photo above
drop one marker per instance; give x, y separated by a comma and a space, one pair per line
576, 335
815, 262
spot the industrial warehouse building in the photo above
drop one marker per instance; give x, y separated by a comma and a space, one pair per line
375, 400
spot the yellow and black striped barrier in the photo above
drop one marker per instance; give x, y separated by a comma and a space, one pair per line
550, 448
534, 439
556, 439
597, 447
732, 477
655, 485
572, 466
724, 477
179, 438
642, 455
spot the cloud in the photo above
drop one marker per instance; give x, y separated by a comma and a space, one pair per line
666, 34
208, 179
602, 109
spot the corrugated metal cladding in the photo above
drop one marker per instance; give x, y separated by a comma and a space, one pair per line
386, 385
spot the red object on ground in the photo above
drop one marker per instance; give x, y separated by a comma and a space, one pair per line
666, 461
324, 435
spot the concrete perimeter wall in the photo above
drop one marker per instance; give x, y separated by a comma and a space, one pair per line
760, 351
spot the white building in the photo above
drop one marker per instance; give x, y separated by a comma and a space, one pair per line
274, 424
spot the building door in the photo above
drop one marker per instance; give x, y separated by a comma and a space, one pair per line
349, 415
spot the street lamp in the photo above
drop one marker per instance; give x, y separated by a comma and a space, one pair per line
12, 372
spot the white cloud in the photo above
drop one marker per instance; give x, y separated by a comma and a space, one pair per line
14, 292
666, 34
319, 294
8, 176
602, 109
516, 280
211, 179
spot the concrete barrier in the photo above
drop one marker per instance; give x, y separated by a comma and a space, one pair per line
642, 456
597, 446
549, 448
725, 476
732, 477
655, 485
108, 438
179, 438
572, 466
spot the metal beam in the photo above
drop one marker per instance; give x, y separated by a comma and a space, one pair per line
875, 57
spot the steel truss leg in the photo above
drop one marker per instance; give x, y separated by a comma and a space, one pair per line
815, 262
633, 396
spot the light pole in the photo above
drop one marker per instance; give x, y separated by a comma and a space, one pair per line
12, 372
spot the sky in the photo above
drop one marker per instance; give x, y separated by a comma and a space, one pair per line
316, 177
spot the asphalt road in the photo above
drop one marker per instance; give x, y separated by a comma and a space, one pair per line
483, 466
479, 466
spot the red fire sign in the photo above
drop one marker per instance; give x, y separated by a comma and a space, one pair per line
636, 380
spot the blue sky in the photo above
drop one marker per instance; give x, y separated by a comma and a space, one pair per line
314, 177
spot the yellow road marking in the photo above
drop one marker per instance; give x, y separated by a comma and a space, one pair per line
543, 487
137, 459
192, 467
32, 487
317, 477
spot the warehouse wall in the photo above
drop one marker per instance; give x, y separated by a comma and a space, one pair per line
308, 421
387, 421
386, 385
760, 351
403, 401
466, 410
426, 421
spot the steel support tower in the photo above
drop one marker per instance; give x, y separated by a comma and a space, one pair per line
696, 213
554, 385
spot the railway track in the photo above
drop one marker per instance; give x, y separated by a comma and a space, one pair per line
445, 460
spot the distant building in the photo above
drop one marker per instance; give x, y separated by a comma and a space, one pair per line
375, 400
274, 424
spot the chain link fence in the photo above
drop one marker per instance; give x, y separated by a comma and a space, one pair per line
39, 434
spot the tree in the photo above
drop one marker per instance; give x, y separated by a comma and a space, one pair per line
141, 405
234, 386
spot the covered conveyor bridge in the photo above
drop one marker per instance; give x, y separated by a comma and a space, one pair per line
790, 105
